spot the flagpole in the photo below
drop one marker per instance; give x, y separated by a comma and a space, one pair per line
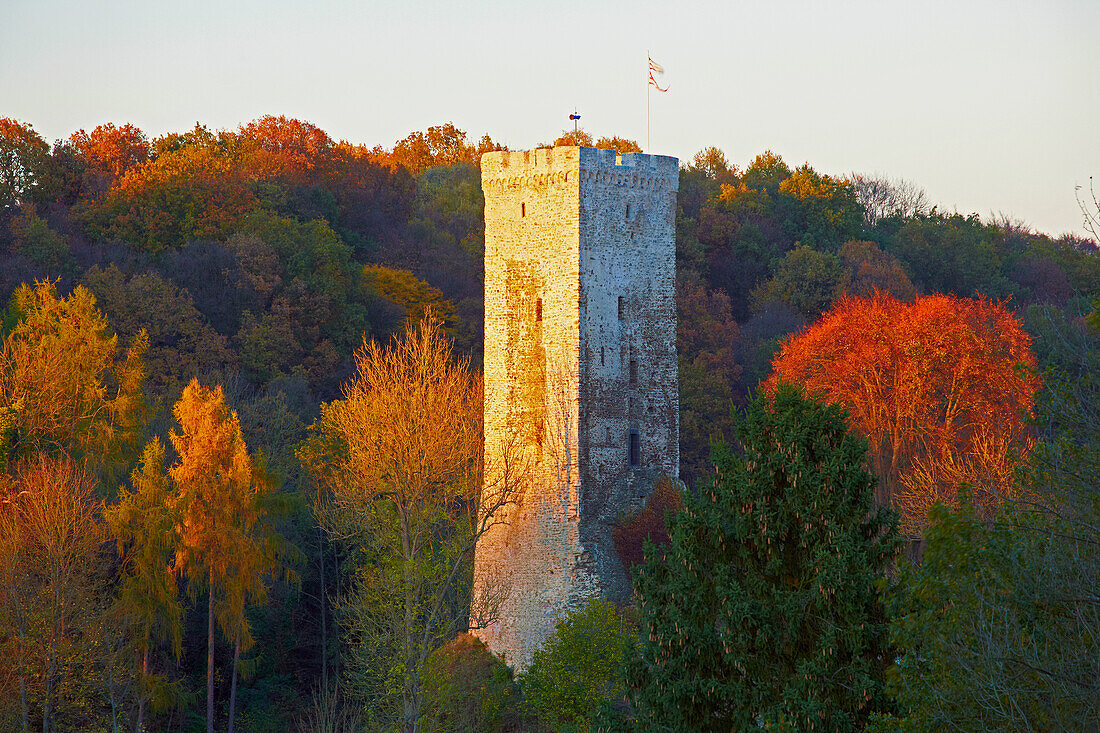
647, 73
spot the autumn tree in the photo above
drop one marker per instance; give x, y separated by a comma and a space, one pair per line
764, 610
223, 548
648, 526
941, 387
740, 231
579, 137
712, 162
1000, 612
413, 296
700, 181
868, 269
24, 162
584, 138
193, 189
401, 460
146, 529
50, 576
819, 210
997, 613
296, 144
439, 145
8, 415
620, 144
108, 152
75, 391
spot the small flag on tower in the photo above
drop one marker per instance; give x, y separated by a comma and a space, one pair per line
655, 67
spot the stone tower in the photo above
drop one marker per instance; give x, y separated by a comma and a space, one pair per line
580, 371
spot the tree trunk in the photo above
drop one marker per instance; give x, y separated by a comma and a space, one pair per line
410, 713
23, 674
410, 692
324, 628
210, 658
336, 577
23, 700
233, 684
111, 696
141, 688
48, 697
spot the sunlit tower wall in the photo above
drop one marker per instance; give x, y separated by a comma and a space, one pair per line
580, 372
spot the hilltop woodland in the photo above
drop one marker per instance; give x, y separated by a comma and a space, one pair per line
240, 452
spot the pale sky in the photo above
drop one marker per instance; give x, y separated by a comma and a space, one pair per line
991, 106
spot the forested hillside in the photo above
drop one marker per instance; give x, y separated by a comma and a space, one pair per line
219, 283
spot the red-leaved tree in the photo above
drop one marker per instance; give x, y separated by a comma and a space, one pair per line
941, 388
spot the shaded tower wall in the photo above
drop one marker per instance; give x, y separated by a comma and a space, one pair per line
580, 372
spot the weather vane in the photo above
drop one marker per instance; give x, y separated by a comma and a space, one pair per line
574, 117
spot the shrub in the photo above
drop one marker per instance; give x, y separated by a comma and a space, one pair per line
647, 525
579, 669
466, 688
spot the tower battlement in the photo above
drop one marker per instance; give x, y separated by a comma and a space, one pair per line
580, 370
503, 166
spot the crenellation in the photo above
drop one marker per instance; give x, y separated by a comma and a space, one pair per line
579, 286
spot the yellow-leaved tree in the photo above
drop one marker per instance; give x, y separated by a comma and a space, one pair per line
407, 486
65, 386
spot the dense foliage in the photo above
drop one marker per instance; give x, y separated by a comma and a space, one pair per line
1010, 601
580, 669
267, 262
765, 609
942, 387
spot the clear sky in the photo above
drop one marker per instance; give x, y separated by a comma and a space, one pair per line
991, 106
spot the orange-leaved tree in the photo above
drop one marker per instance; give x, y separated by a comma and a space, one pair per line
223, 546
51, 570
196, 188
941, 387
107, 152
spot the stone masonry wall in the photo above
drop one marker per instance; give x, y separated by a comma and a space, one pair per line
576, 288
628, 306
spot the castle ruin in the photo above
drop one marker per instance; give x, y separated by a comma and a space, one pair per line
580, 372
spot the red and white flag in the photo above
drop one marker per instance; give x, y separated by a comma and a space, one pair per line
655, 67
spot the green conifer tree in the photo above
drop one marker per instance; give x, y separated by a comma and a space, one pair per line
146, 529
766, 609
